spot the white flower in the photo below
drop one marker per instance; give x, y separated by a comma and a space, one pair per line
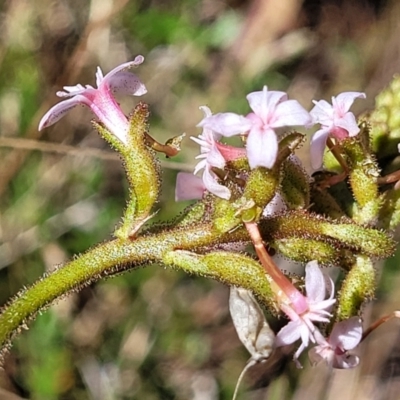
318, 309
211, 156
335, 120
271, 110
345, 336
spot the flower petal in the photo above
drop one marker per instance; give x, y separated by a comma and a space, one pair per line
99, 76
317, 147
121, 81
227, 124
212, 185
262, 148
215, 158
349, 123
315, 283
126, 83
290, 113
77, 89
289, 333
206, 111
59, 110
188, 187
264, 102
322, 113
124, 66
343, 101
346, 334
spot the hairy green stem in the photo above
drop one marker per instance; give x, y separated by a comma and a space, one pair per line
106, 259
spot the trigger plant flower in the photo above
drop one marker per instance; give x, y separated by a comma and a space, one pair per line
101, 99
271, 110
303, 312
213, 154
345, 336
336, 120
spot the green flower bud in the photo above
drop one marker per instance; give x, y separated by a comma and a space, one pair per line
304, 250
295, 184
343, 234
229, 268
358, 286
385, 121
363, 175
261, 186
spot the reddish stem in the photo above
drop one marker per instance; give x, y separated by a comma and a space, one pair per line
297, 300
379, 322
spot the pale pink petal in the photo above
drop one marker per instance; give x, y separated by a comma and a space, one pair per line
317, 147
227, 124
349, 123
315, 283
208, 134
206, 111
201, 164
263, 102
137, 61
289, 333
262, 148
346, 334
99, 76
215, 158
74, 90
126, 83
212, 185
59, 110
322, 113
188, 187
343, 101
290, 113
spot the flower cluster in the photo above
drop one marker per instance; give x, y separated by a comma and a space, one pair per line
260, 158
271, 110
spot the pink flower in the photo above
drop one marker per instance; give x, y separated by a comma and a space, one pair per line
101, 100
214, 154
318, 309
335, 120
271, 110
345, 336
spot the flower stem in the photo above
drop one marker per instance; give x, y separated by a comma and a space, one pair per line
296, 299
106, 259
379, 322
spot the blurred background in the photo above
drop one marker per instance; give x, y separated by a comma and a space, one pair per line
156, 333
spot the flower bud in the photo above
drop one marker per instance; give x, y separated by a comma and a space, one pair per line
358, 286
